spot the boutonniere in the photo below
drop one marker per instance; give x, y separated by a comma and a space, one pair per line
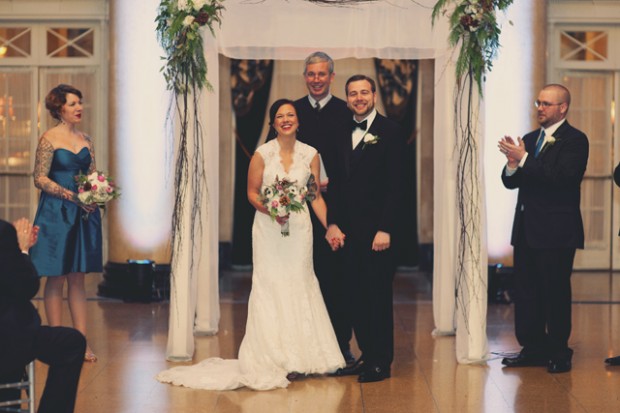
548, 143
370, 139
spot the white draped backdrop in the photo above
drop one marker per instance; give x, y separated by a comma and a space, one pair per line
290, 30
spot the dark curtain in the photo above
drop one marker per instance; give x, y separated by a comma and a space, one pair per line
250, 85
397, 80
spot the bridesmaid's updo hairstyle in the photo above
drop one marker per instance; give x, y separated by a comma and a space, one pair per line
272, 115
57, 97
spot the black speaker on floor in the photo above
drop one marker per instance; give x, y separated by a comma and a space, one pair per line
135, 281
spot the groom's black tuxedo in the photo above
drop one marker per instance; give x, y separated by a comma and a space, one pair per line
547, 230
367, 192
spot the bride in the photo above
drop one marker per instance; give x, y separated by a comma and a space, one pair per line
288, 330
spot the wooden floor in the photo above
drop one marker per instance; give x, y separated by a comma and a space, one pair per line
130, 340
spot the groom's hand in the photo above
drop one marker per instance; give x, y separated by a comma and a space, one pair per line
381, 241
334, 237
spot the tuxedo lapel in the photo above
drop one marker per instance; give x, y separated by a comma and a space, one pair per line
347, 153
557, 135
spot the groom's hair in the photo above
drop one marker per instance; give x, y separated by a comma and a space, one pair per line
355, 78
319, 57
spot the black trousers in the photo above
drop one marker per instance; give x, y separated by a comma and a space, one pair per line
328, 267
543, 299
370, 275
62, 349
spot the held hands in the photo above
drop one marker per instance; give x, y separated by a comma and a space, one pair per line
27, 234
335, 237
514, 151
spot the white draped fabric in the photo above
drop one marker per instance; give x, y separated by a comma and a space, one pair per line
290, 30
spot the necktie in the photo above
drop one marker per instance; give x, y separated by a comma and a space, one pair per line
362, 125
317, 107
541, 141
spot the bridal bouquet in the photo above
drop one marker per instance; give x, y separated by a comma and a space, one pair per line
96, 188
283, 197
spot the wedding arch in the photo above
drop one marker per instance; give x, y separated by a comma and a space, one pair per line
395, 29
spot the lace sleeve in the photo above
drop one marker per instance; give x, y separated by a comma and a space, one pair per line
42, 165
91, 148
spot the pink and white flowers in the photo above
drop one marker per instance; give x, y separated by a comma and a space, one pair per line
283, 197
96, 188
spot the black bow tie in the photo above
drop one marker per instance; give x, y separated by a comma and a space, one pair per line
362, 125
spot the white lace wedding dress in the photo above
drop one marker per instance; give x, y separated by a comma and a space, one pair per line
288, 328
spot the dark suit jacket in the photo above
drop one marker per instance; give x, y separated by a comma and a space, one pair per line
549, 190
323, 130
368, 186
19, 320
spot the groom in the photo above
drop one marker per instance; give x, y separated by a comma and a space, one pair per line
363, 220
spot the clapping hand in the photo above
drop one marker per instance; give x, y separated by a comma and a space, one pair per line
335, 237
27, 234
514, 151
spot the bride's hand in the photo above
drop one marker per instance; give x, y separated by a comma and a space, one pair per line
282, 220
335, 237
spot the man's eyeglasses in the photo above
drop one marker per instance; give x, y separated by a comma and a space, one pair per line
544, 104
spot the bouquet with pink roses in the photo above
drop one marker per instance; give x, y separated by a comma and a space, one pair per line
283, 197
96, 188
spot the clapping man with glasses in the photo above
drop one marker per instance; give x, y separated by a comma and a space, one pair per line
547, 167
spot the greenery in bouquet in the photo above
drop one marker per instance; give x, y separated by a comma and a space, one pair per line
473, 23
178, 30
283, 197
96, 188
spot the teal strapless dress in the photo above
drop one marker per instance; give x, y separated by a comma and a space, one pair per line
69, 238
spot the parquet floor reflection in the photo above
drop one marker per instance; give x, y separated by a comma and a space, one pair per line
130, 341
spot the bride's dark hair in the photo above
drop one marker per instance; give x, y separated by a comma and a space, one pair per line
272, 115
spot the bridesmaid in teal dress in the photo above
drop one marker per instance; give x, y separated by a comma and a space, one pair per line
69, 243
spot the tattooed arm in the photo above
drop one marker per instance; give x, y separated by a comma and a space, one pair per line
91, 148
42, 165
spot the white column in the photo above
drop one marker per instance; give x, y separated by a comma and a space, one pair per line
444, 190
208, 300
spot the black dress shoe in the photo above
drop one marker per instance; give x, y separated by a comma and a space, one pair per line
348, 357
559, 366
355, 369
613, 361
525, 360
374, 373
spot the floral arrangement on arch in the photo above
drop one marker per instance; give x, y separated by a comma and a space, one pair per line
180, 31
473, 23
178, 28
473, 26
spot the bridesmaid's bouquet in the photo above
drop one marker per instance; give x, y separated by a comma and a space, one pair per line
97, 188
283, 197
